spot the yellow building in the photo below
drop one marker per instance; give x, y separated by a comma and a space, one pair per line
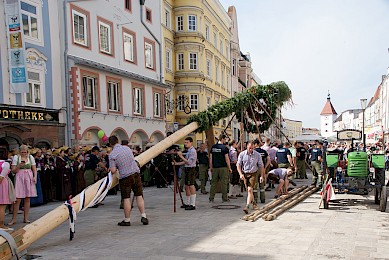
196, 42
293, 128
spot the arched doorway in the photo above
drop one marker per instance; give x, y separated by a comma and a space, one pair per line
155, 138
121, 134
139, 138
90, 137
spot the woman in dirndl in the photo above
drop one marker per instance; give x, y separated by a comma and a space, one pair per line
7, 195
24, 167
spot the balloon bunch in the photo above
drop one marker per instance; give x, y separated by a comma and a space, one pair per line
102, 136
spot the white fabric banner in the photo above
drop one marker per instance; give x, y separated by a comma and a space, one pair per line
17, 66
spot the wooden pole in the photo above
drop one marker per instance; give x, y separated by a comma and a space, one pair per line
42, 226
290, 204
257, 213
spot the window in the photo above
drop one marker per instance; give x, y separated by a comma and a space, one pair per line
80, 27
181, 102
148, 15
105, 37
222, 76
208, 102
194, 101
89, 92
149, 54
193, 61
217, 72
215, 39
180, 23
113, 96
129, 46
180, 61
157, 104
33, 96
169, 59
30, 18
224, 123
192, 23
127, 5
234, 67
228, 80
221, 46
227, 50
167, 19
209, 68
138, 101
207, 32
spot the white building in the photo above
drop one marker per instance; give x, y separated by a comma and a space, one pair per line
349, 119
113, 70
327, 119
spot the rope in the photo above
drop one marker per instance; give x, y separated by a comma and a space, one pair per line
72, 217
100, 195
11, 242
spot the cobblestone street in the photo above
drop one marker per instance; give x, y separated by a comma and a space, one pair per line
353, 228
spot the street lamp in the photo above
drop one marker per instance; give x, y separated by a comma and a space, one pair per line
363, 105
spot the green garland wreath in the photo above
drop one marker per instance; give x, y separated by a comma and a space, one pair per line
271, 96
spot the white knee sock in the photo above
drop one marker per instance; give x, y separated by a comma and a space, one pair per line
231, 190
187, 200
193, 200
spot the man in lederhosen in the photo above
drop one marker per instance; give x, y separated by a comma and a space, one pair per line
249, 162
189, 161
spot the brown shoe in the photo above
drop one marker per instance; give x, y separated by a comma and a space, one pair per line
255, 207
246, 210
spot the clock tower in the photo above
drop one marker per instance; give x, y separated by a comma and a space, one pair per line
327, 118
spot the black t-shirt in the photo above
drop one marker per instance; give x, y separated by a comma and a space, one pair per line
301, 151
91, 162
316, 152
263, 154
202, 157
218, 152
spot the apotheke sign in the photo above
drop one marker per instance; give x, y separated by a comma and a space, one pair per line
27, 114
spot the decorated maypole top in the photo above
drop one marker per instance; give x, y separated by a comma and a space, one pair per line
250, 103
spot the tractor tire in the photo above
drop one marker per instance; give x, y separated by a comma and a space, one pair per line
384, 199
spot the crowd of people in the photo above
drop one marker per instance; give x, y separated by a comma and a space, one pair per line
32, 176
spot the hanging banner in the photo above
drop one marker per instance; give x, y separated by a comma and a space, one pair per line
17, 66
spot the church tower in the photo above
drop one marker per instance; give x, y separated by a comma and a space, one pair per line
327, 118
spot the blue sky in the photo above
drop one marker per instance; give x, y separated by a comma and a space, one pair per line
316, 46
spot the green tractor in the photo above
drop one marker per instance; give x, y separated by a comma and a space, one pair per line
360, 174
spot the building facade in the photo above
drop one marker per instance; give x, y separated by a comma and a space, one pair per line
293, 128
196, 43
113, 70
35, 115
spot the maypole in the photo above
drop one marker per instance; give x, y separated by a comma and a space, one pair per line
271, 96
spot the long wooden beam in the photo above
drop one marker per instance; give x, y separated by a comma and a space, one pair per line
30, 233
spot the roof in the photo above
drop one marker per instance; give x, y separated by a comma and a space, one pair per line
376, 96
328, 108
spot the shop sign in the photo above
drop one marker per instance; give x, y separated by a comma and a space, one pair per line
27, 114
